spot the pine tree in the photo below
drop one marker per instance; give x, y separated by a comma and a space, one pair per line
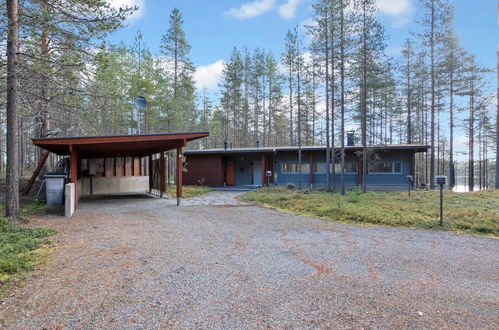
12, 196
175, 48
435, 23
370, 46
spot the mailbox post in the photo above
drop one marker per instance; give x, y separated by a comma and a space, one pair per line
268, 174
441, 180
410, 182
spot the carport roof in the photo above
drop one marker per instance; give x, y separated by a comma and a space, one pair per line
117, 145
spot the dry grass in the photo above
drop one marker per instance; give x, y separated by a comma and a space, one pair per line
476, 212
188, 191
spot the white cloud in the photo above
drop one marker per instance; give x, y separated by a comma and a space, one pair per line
252, 9
288, 10
308, 22
461, 141
394, 7
130, 3
400, 10
208, 76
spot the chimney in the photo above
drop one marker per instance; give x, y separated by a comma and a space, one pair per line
225, 145
258, 143
350, 139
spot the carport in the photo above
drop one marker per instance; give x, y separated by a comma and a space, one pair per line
115, 149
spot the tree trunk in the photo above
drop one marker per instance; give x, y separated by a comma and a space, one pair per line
497, 124
451, 124
409, 126
12, 198
471, 143
432, 119
363, 105
328, 143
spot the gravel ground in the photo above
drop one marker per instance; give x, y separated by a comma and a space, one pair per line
139, 262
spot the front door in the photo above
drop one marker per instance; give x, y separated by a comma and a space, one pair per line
230, 173
257, 173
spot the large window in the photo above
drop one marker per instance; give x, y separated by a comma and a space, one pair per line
319, 167
350, 167
294, 168
386, 167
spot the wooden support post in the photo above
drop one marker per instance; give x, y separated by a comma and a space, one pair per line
74, 172
180, 166
312, 170
162, 174
264, 171
41, 162
149, 170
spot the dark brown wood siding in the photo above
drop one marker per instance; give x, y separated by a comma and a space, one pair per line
204, 170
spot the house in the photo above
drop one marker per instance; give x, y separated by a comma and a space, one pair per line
388, 166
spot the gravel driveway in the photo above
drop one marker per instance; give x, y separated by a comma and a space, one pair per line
138, 262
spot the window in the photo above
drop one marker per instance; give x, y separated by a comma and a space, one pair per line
350, 167
386, 167
294, 168
319, 167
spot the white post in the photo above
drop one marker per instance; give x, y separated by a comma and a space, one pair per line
69, 199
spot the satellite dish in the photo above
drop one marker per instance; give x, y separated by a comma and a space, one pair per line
140, 103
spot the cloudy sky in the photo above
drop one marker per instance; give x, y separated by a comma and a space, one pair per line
214, 27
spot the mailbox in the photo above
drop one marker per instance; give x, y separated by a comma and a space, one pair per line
409, 179
441, 180
269, 173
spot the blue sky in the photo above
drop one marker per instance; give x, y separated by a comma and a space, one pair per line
214, 27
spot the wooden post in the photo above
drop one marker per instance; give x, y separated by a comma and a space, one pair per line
149, 165
74, 172
179, 174
264, 171
162, 174
38, 168
311, 161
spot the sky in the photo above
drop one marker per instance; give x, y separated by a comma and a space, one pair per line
214, 27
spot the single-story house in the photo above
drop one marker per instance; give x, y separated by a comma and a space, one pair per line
388, 166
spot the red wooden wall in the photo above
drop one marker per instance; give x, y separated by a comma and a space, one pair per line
205, 170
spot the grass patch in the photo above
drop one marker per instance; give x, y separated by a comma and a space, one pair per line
23, 247
188, 191
476, 212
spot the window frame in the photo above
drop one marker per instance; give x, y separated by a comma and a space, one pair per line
392, 167
296, 168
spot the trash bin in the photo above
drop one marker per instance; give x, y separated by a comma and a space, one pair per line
54, 188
